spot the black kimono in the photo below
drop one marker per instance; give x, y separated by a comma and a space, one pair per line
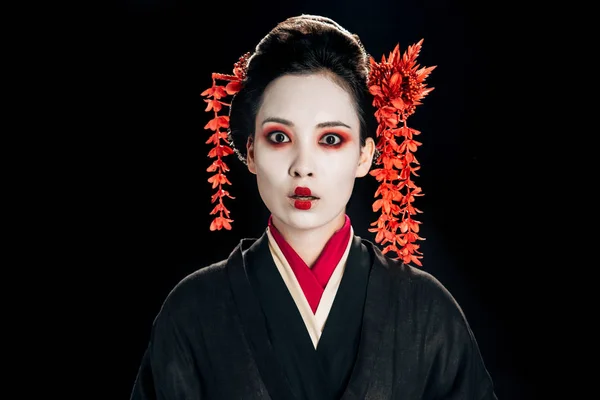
232, 331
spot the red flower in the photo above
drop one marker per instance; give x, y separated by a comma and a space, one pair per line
214, 103
398, 86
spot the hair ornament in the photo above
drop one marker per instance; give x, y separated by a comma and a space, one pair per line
398, 86
220, 124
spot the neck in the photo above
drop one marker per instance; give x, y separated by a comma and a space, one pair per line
309, 243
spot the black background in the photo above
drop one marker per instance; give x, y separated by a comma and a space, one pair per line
156, 57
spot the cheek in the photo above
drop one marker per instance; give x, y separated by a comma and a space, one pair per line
340, 172
340, 162
265, 158
269, 170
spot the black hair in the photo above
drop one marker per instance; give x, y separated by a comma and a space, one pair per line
305, 44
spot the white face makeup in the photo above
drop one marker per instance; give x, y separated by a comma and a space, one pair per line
307, 135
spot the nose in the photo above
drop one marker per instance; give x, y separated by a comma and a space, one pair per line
302, 165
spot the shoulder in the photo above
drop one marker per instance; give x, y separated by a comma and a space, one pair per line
206, 287
200, 279
195, 291
417, 286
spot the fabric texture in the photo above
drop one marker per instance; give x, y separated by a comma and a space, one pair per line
313, 279
333, 267
232, 330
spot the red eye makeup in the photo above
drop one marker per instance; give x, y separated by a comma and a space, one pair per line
277, 135
341, 138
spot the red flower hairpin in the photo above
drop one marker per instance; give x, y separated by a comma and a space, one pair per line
219, 124
398, 85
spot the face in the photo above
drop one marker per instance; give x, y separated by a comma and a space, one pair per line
307, 143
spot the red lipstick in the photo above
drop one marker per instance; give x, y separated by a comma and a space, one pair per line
302, 204
302, 191
303, 198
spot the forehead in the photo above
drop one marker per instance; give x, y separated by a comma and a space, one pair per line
308, 99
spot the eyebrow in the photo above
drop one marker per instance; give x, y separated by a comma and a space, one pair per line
327, 124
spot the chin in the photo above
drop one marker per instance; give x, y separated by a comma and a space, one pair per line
304, 220
300, 219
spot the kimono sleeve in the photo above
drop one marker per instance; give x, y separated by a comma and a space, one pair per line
168, 370
459, 371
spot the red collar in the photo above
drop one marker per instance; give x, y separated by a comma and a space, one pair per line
314, 280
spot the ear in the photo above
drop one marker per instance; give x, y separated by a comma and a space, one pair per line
250, 155
366, 158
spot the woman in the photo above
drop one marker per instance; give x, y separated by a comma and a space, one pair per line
308, 310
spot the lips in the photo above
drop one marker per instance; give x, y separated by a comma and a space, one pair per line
303, 193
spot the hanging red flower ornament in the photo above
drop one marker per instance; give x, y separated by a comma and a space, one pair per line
398, 86
219, 124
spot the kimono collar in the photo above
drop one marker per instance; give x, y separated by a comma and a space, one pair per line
314, 280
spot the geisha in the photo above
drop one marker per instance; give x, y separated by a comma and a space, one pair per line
310, 310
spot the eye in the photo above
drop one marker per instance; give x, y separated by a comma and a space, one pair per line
331, 139
278, 137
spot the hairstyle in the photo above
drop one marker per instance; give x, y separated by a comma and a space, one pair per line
305, 44
311, 44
